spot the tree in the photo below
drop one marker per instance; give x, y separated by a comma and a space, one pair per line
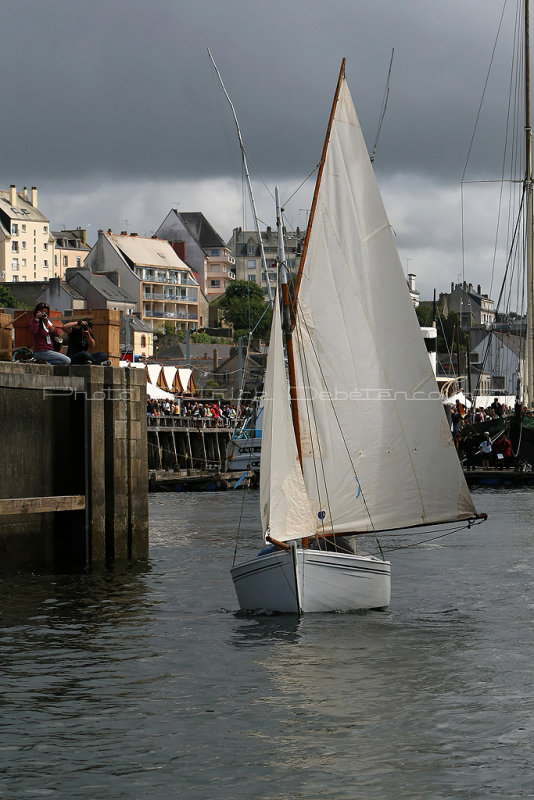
245, 308
6, 298
446, 327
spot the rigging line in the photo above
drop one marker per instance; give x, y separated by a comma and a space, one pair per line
384, 107
503, 285
434, 538
267, 307
305, 373
501, 190
491, 180
484, 90
291, 196
239, 528
338, 423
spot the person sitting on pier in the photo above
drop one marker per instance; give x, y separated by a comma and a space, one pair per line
80, 342
43, 332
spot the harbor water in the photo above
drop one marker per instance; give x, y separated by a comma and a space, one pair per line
144, 681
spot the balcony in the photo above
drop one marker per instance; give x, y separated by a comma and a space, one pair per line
173, 298
169, 314
173, 281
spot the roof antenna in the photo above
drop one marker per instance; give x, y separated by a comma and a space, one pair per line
384, 106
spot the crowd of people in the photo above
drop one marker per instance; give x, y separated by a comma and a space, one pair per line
482, 450
209, 414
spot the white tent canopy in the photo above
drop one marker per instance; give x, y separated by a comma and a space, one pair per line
155, 393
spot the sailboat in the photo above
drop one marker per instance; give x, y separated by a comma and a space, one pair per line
355, 438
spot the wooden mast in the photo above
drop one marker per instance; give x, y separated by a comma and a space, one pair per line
529, 219
285, 294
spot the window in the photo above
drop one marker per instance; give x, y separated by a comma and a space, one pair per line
251, 264
215, 284
14, 229
14, 263
55, 261
14, 247
65, 261
215, 251
143, 340
15, 278
23, 227
45, 228
78, 261
45, 264
23, 245
45, 246
251, 249
23, 262
252, 278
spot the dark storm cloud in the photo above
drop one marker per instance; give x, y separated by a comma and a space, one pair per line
124, 88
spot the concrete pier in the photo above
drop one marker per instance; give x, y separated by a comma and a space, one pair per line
73, 466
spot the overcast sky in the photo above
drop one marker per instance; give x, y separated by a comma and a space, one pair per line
113, 109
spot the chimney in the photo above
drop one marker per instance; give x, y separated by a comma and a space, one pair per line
13, 195
114, 277
109, 231
479, 289
82, 235
25, 193
215, 359
411, 281
470, 287
179, 249
34, 196
452, 287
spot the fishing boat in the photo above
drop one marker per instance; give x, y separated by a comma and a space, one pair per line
355, 439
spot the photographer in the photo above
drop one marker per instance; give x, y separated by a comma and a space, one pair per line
43, 333
81, 341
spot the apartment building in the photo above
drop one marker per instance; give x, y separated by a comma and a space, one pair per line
246, 249
200, 246
151, 272
70, 250
26, 244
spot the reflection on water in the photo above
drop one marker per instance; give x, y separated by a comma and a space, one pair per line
146, 681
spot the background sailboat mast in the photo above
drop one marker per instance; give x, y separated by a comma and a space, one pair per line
249, 185
529, 219
288, 327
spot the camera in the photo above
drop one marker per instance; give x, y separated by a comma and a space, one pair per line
44, 315
84, 325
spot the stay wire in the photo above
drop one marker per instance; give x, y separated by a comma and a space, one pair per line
343, 439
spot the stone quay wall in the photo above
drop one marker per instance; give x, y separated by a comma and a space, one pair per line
73, 466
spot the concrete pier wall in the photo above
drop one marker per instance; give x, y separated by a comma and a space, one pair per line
72, 432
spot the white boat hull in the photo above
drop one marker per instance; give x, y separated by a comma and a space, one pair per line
305, 580
243, 454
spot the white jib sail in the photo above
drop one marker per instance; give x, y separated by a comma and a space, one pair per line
377, 450
284, 505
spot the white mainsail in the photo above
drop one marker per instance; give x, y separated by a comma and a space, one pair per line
284, 506
377, 450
